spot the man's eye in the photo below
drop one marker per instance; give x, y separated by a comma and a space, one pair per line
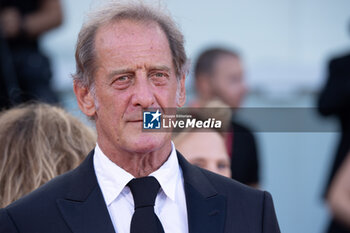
122, 79
122, 82
159, 78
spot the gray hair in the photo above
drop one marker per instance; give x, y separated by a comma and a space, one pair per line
114, 12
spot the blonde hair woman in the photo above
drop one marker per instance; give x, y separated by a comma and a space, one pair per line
207, 149
37, 143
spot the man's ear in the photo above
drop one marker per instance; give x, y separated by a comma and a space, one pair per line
85, 99
182, 92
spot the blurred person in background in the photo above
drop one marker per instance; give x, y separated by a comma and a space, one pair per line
207, 149
37, 143
22, 22
338, 197
334, 100
219, 74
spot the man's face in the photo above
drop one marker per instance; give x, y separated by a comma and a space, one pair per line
227, 80
134, 71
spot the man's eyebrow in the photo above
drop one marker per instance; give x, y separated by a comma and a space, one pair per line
120, 71
165, 68
129, 70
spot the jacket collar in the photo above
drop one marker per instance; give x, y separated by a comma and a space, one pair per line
84, 208
206, 208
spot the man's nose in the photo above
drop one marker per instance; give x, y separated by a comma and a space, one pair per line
143, 93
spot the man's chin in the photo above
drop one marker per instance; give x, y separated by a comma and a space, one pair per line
148, 142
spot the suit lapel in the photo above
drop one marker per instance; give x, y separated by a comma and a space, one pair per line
206, 209
84, 208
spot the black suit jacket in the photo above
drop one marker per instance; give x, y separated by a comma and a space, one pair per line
73, 203
244, 157
334, 100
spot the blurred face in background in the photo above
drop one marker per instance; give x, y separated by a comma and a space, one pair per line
206, 150
227, 80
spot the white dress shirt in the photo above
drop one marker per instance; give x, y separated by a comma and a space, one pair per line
170, 205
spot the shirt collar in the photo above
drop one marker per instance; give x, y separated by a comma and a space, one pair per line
168, 174
113, 179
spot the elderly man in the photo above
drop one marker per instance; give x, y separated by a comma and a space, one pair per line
131, 57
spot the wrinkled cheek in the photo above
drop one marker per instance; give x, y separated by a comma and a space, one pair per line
166, 98
177, 96
174, 98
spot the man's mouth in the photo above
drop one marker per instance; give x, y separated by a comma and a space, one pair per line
135, 121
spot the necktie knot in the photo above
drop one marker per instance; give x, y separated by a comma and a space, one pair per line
144, 191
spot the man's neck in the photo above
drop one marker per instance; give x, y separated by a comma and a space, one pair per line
138, 164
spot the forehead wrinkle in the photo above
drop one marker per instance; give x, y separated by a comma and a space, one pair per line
120, 33
138, 49
131, 50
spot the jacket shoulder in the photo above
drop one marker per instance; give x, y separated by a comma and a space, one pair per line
248, 209
38, 211
339, 60
79, 180
52, 190
232, 188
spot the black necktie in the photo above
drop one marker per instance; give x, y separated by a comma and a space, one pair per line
144, 190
